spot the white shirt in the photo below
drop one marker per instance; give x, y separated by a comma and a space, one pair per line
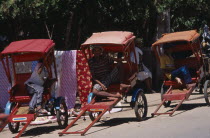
137, 51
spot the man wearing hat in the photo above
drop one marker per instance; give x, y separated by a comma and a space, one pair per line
102, 73
168, 67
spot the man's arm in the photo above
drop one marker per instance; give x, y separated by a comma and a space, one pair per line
101, 84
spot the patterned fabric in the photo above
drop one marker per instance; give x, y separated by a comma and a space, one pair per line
68, 85
58, 60
4, 87
83, 77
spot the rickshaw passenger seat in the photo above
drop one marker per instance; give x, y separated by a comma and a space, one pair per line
20, 93
128, 73
20, 79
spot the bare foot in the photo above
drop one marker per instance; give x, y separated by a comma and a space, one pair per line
124, 86
179, 81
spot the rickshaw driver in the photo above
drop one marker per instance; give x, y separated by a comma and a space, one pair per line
168, 67
34, 85
102, 74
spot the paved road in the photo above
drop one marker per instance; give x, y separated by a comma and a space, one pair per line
190, 121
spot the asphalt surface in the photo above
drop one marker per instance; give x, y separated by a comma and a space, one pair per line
191, 120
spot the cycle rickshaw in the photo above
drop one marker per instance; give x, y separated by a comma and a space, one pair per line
112, 42
14, 57
186, 51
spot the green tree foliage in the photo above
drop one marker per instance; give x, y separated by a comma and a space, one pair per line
71, 21
186, 14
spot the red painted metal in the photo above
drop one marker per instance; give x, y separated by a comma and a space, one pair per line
29, 46
23, 129
28, 117
93, 105
190, 41
112, 41
176, 96
188, 36
23, 51
114, 38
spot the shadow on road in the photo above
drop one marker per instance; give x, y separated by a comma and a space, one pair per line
186, 107
115, 122
39, 130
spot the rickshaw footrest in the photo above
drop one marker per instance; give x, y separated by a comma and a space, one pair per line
171, 97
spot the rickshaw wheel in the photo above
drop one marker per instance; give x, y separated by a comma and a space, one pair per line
141, 107
207, 92
13, 127
94, 115
163, 91
62, 115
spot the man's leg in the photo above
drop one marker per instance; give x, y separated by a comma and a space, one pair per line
148, 82
39, 100
39, 95
105, 94
184, 73
32, 103
186, 76
97, 90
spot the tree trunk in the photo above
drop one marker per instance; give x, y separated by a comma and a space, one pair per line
163, 23
163, 26
68, 31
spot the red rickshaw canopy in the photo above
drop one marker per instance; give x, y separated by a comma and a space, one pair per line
110, 40
29, 46
109, 37
28, 50
187, 36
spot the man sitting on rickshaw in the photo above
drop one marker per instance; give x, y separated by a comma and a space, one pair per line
103, 75
168, 67
34, 85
